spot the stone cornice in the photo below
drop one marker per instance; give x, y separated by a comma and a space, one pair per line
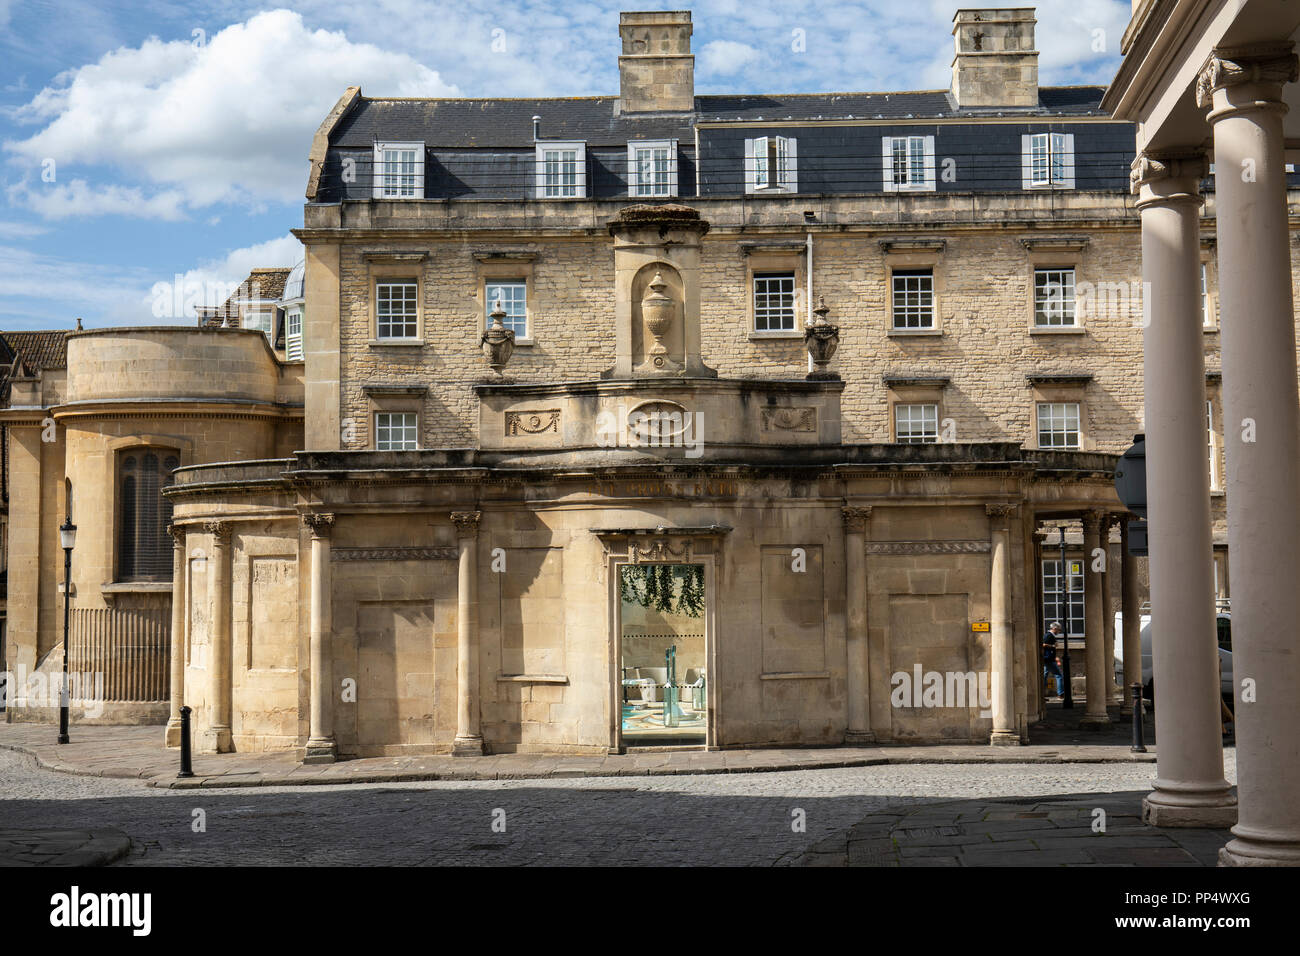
1055, 243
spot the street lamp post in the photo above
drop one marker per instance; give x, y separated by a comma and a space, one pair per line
1063, 605
68, 539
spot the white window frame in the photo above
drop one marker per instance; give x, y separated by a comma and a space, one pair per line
401, 436
561, 190
760, 153
922, 421
1044, 309
926, 318
918, 167
261, 320
652, 189
1074, 594
293, 340
1062, 412
517, 323
1056, 169
399, 183
768, 312
1207, 320
381, 318
1213, 445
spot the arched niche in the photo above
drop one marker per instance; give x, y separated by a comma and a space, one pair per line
672, 359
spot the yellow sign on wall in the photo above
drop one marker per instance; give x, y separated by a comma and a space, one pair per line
979, 625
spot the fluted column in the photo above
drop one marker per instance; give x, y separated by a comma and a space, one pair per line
469, 740
217, 737
172, 735
859, 731
321, 747
1128, 601
1243, 89
1190, 789
1002, 666
1093, 627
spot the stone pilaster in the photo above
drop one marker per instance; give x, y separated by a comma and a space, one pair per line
1243, 89
856, 522
1190, 789
176, 690
217, 737
1128, 600
1094, 631
1002, 665
469, 739
321, 746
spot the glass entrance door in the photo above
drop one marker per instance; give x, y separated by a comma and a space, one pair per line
663, 679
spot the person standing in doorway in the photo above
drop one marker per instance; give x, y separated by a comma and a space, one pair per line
1051, 664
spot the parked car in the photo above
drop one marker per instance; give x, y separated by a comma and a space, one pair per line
1223, 627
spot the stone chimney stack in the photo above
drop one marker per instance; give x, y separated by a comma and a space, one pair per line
657, 70
996, 64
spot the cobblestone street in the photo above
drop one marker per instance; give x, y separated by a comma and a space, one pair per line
716, 819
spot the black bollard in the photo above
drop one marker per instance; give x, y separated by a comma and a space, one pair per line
1138, 746
186, 769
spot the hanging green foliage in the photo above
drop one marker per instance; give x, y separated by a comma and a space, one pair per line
667, 588
691, 599
664, 592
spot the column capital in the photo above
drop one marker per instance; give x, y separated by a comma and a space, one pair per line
1092, 521
178, 533
999, 509
856, 518
466, 523
1268, 66
320, 524
1164, 176
220, 531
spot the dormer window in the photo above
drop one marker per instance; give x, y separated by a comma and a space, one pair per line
771, 164
399, 171
1047, 160
908, 163
561, 170
652, 168
262, 321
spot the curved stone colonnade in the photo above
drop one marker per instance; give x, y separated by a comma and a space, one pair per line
464, 601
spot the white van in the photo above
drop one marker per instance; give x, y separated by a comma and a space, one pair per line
1223, 626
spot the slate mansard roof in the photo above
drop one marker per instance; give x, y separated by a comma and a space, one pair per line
508, 123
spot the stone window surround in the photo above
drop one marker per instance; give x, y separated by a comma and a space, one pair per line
116, 448
1054, 254
776, 258
1209, 261
903, 255
919, 390
501, 266
394, 398
411, 267
1047, 388
1214, 395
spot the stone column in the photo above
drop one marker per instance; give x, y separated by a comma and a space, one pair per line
1108, 613
859, 732
1002, 665
217, 738
172, 735
1243, 87
321, 747
1128, 601
1095, 715
1190, 789
469, 741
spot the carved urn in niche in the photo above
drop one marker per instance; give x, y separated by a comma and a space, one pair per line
658, 309
498, 342
821, 339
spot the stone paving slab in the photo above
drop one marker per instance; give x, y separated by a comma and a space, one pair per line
980, 833
60, 847
137, 752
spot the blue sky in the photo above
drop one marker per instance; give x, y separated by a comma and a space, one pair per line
151, 139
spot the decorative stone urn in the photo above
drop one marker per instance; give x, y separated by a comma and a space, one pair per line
498, 342
821, 339
658, 310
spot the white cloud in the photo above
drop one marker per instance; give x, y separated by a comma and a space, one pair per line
21, 230
77, 198
230, 120
725, 57
211, 281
